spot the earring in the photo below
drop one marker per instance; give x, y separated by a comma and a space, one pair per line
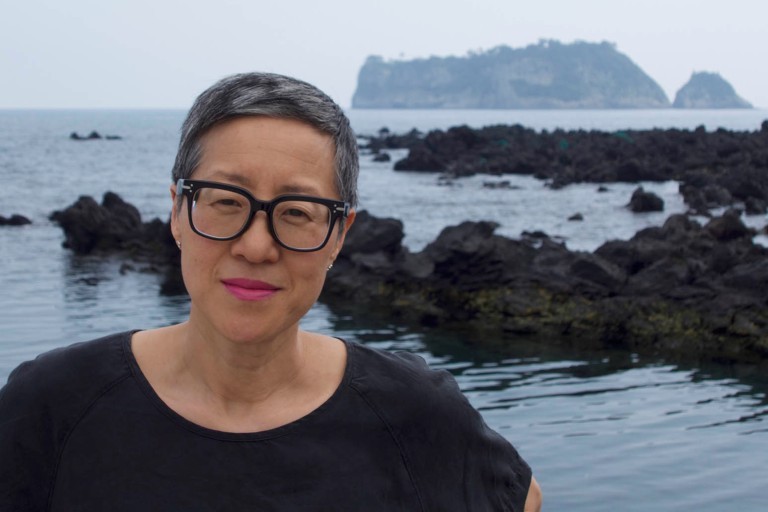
178, 244
330, 266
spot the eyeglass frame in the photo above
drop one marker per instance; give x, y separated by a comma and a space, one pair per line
339, 210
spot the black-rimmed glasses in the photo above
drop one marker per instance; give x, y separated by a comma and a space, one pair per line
224, 212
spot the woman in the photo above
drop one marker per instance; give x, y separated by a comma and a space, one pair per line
238, 408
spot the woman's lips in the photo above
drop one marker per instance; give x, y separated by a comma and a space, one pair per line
248, 289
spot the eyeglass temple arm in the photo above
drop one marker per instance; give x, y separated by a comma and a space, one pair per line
180, 187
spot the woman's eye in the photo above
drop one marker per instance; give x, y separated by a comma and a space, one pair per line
227, 202
295, 212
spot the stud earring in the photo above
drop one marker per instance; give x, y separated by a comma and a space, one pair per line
330, 266
178, 244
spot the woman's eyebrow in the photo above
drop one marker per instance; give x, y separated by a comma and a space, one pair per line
237, 179
246, 182
292, 188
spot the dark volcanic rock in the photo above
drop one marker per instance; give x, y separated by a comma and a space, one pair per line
680, 289
372, 235
89, 226
94, 135
719, 168
115, 226
643, 201
728, 227
386, 140
14, 220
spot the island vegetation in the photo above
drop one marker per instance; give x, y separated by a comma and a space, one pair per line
546, 75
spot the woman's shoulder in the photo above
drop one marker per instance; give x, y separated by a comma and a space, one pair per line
68, 374
40, 405
454, 456
402, 381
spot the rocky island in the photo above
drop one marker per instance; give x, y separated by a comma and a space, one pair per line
708, 90
547, 75
544, 75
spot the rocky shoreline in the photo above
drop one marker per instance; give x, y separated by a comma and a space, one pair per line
715, 169
682, 290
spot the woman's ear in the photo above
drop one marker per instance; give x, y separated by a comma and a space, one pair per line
175, 231
340, 239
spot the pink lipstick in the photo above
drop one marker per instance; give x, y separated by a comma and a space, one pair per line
248, 289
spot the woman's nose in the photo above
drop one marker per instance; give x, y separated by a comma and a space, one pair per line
257, 244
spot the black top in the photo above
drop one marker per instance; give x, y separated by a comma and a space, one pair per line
81, 429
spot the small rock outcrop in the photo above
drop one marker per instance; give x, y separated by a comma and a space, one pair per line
642, 201
115, 226
708, 90
14, 220
94, 135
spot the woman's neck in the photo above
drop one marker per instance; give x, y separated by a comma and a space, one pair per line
238, 373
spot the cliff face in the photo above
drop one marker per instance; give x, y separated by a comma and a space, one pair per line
545, 75
708, 90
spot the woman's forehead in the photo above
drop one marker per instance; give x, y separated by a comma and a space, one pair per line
260, 133
251, 151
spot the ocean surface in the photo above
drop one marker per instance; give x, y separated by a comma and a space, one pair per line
604, 431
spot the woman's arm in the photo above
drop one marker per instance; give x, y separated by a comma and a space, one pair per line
533, 501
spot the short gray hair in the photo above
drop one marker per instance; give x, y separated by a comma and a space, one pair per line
270, 95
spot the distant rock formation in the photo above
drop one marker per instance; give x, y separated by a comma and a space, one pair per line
708, 90
94, 135
14, 220
715, 169
545, 75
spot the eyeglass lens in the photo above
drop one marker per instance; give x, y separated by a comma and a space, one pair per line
222, 213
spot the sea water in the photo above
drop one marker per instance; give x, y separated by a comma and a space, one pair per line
603, 430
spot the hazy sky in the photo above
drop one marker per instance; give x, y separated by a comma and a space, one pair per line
162, 53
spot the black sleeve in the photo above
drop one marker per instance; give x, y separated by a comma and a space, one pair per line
40, 405
27, 448
488, 472
457, 462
